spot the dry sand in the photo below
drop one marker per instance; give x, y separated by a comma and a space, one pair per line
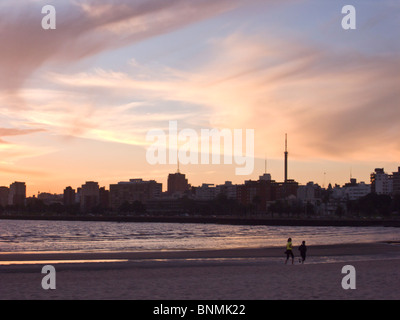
240, 274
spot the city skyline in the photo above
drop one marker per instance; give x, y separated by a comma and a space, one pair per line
77, 102
165, 187
264, 195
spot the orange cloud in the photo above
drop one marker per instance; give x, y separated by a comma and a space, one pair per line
7, 132
334, 105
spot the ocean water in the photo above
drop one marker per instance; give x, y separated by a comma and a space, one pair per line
57, 236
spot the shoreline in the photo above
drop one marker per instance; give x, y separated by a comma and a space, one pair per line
211, 275
317, 222
333, 250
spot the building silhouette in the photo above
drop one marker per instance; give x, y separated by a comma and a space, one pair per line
17, 194
177, 183
309, 193
89, 197
4, 196
228, 189
134, 190
50, 198
381, 182
104, 198
396, 182
69, 196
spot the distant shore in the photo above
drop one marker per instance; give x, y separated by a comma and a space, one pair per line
268, 221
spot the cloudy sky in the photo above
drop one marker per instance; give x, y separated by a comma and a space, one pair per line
77, 102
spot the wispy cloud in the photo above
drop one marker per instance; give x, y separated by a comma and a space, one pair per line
86, 28
22, 172
324, 97
8, 132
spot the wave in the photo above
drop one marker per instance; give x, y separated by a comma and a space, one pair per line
18, 235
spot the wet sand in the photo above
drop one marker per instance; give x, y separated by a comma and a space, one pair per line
238, 274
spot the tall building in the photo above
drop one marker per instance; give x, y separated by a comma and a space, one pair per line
396, 182
205, 192
4, 196
50, 198
286, 190
134, 190
228, 189
247, 192
355, 190
310, 193
352, 190
381, 182
89, 196
177, 183
17, 194
104, 198
69, 196
259, 193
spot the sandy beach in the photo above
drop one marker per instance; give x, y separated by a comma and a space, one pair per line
237, 274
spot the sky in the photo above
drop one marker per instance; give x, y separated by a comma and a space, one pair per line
77, 102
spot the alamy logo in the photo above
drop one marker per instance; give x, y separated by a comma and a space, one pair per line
49, 280
189, 147
349, 281
49, 21
349, 21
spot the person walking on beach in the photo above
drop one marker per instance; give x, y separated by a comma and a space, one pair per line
303, 251
289, 251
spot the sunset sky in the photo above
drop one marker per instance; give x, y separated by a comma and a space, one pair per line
77, 102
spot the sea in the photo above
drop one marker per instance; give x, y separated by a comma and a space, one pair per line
66, 236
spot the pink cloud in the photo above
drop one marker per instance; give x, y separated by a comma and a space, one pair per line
88, 28
7, 132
